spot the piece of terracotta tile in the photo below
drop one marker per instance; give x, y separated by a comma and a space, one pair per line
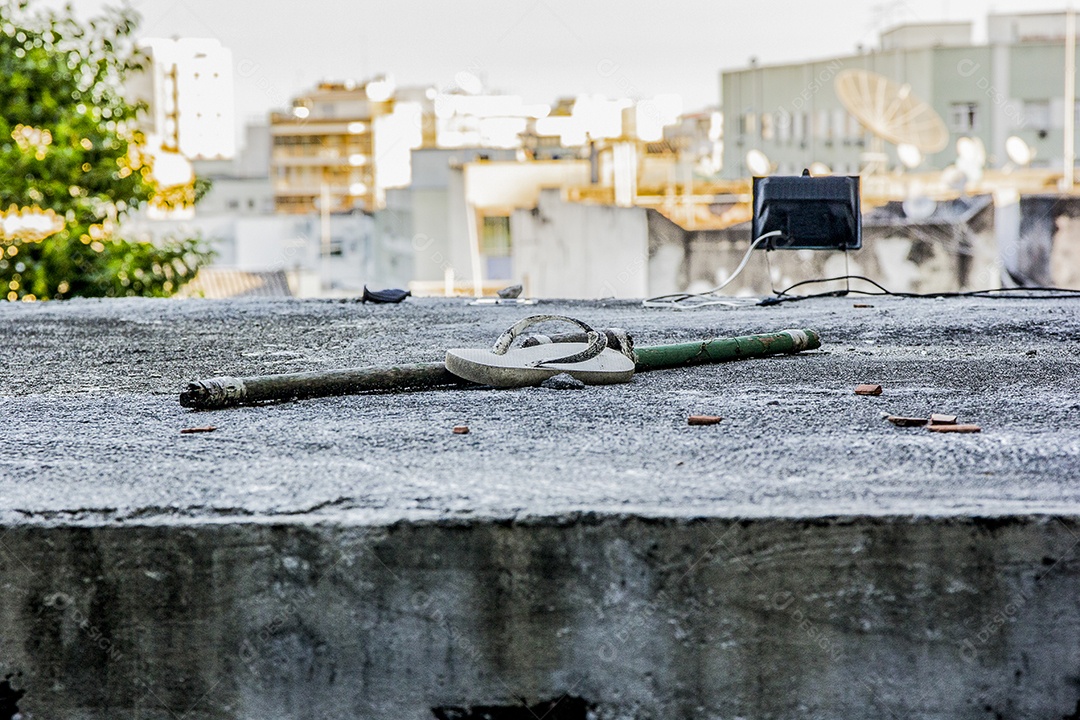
954, 428
901, 421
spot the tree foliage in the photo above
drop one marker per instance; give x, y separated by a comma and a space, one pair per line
69, 142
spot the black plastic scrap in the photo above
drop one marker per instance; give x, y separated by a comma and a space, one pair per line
390, 295
567, 707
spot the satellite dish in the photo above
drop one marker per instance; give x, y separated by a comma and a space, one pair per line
955, 178
971, 157
909, 155
919, 207
890, 111
1019, 152
820, 169
758, 163
971, 150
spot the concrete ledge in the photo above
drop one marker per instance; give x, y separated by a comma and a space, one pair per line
767, 618
351, 557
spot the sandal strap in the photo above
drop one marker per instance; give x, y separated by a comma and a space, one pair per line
597, 341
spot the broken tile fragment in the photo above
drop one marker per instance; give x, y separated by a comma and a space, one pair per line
901, 421
703, 419
939, 419
954, 428
868, 389
862, 305
461, 429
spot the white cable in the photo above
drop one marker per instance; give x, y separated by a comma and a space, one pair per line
675, 300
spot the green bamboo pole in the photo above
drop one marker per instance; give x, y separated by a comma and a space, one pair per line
659, 357
223, 392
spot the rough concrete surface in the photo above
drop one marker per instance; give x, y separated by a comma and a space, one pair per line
352, 557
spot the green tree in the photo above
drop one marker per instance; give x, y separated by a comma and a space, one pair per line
70, 151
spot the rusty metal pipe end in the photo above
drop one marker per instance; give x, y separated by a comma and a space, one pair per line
219, 392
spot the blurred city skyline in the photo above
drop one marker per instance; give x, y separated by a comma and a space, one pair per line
541, 50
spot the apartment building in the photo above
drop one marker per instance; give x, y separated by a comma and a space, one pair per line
1012, 85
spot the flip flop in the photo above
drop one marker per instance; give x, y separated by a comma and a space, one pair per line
591, 362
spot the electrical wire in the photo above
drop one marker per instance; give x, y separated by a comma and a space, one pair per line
690, 301
1002, 293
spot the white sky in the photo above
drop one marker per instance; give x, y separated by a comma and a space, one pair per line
540, 49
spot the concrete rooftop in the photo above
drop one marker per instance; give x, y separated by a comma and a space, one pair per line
350, 557
91, 422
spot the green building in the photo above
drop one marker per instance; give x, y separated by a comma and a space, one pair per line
1011, 86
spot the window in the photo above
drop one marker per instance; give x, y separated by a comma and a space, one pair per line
821, 125
295, 203
767, 126
798, 128
297, 140
749, 124
783, 126
964, 117
854, 128
839, 125
495, 246
1036, 114
495, 236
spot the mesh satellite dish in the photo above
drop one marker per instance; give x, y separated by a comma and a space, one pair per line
758, 163
891, 113
1019, 152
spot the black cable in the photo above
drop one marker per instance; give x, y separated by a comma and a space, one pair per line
995, 293
838, 278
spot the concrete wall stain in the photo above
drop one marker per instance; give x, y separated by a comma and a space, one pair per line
815, 618
9, 698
